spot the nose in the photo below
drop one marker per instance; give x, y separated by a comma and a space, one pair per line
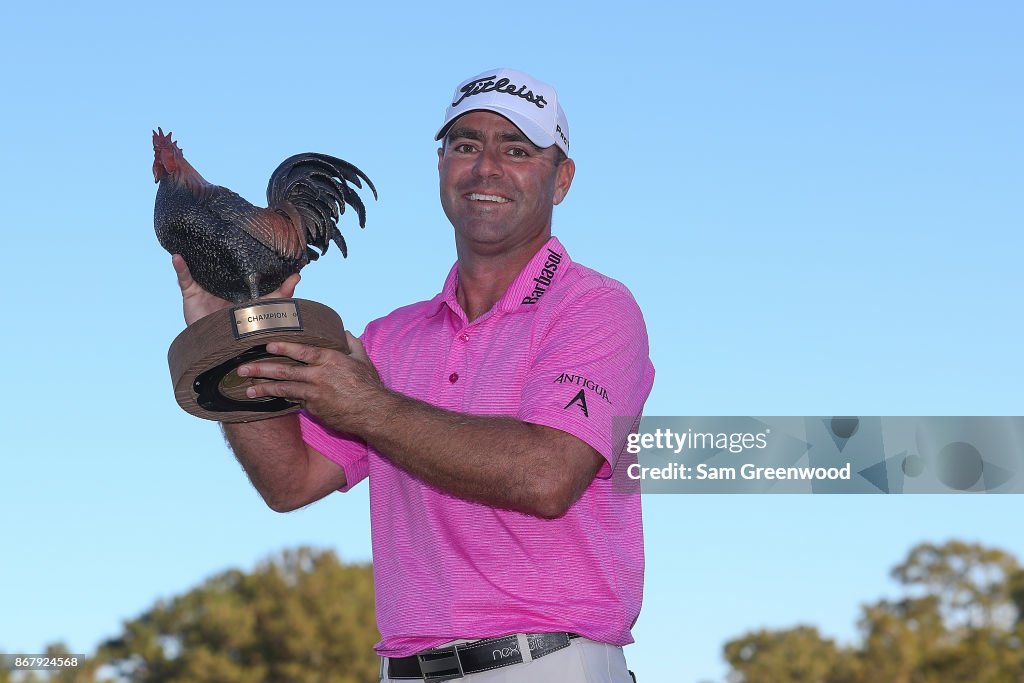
488, 163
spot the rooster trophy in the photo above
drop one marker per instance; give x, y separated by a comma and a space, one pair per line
241, 252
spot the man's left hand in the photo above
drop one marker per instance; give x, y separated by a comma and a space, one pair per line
340, 390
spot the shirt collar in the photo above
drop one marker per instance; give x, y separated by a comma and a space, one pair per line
448, 293
534, 280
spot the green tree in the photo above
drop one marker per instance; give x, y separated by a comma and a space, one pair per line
1016, 586
961, 621
898, 636
972, 582
797, 655
301, 617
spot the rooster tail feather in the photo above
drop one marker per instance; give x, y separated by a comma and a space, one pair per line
321, 215
353, 200
317, 187
340, 241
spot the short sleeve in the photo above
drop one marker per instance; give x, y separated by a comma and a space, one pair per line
347, 451
591, 365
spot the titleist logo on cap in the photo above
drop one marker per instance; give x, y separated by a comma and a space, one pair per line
531, 105
502, 85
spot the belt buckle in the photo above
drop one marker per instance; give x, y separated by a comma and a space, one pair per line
441, 665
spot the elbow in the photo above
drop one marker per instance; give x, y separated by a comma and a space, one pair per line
551, 510
562, 484
553, 500
283, 504
552, 496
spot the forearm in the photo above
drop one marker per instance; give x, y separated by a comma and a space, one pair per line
493, 459
500, 461
286, 472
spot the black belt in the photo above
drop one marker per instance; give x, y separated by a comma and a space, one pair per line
456, 661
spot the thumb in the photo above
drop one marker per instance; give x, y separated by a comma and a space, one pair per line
181, 270
355, 347
287, 288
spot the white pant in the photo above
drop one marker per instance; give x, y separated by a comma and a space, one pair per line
584, 661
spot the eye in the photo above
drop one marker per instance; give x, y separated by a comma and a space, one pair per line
518, 152
463, 148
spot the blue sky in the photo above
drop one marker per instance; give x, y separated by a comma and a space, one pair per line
817, 205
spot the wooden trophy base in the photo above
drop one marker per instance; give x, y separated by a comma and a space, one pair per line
204, 358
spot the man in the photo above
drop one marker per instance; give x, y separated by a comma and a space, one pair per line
483, 421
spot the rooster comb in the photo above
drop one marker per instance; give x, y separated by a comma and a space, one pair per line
161, 141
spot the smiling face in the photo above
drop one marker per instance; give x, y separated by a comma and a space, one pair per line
498, 189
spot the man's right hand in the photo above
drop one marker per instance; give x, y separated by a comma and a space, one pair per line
287, 473
198, 303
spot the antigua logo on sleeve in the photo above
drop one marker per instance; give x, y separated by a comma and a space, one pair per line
585, 383
581, 400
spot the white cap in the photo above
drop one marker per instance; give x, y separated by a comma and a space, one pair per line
530, 104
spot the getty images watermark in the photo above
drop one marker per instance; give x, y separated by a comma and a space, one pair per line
821, 455
731, 442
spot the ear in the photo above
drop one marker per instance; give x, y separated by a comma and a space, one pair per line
563, 179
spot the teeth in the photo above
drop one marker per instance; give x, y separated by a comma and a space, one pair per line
487, 198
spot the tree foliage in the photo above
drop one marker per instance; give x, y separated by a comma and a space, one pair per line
961, 621
971, 582
299, 617
797, 655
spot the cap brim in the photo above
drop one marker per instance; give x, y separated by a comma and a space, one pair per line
530, 129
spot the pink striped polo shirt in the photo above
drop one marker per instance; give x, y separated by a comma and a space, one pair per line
565, 347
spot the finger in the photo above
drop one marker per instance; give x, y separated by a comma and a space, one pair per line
268, 369
287, 288
355, 347
295, 391
184, 274
310, 355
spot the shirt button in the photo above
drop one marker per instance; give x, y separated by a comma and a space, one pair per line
453, 378
464, 337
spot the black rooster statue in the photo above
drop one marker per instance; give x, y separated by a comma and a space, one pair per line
238, 251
